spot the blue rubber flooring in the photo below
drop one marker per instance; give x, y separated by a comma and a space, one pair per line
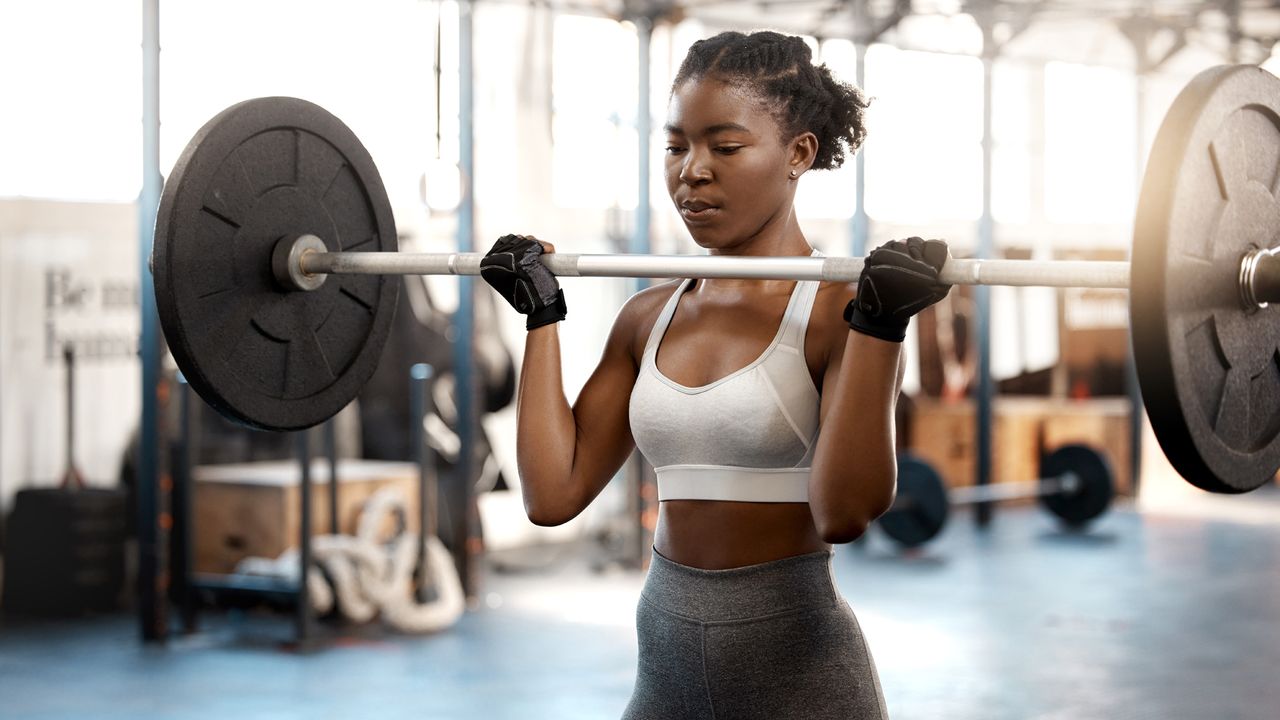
1144, 616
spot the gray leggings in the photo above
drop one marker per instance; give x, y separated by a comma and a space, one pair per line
773, 640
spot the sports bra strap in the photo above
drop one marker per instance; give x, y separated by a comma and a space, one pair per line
664, 319
796, 320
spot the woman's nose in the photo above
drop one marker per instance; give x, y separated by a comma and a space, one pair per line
695, 170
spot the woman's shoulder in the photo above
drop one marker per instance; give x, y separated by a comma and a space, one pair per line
828, 330
644, 307
829, 302
636, 319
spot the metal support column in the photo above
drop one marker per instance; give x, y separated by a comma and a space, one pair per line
419, 405
1136, 407
984, 389
861, 222
464, 318
182, 466
641, 240
1235, 35
641, 496
152, 574
331, 457
303, 614
1141, 30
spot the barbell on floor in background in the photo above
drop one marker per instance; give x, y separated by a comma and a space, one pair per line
1075, 484
275, 195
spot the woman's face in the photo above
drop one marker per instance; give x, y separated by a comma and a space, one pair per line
727, 167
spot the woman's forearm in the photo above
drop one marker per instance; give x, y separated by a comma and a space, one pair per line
854, 466
546, 433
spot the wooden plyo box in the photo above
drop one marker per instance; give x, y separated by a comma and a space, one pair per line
255, 509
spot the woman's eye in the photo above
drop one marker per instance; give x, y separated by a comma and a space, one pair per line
728, 149
674, 149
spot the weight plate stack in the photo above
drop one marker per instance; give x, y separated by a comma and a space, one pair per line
65, 551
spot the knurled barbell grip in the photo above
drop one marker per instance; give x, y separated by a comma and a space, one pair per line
1057, 273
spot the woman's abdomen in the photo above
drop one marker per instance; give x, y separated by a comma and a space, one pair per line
716, 535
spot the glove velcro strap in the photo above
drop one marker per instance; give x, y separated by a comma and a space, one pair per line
890, 331
552, 313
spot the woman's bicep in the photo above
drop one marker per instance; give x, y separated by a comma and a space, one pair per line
902, 373
830, 377
601, 416
601, 410
833, 338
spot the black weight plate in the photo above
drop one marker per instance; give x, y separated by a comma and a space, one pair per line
1094, 491
1209, 369
262, 355
920, 511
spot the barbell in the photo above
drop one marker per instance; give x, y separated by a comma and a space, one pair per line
274, 243
1076, 485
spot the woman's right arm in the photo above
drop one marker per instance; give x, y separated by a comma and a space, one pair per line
567, 454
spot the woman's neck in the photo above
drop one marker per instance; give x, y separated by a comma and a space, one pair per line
773, 240
780, 237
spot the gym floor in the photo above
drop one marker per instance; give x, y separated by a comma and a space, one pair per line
1147, 615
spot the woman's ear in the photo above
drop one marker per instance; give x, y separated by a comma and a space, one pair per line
803, 151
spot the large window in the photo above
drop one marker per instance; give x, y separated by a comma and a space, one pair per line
73, 83
70, 76
594, 102
368, 63
1090, 155
1015, 145
924, 152
830, 193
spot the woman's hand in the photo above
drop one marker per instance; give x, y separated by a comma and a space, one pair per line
512, 268
899, 279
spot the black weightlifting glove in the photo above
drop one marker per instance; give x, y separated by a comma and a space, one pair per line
899, 279
512, 268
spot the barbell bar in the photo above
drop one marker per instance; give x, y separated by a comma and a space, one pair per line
1025, 273
1259, 275
1076, 485
275, 250
1065, 484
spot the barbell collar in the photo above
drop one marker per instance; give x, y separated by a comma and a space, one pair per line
286, 262
1260, 278
1029, 273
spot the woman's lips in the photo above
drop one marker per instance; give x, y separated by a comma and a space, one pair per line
698, 213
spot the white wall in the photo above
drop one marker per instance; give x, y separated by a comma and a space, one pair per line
68, 273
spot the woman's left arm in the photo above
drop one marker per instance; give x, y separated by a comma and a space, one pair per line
855, 470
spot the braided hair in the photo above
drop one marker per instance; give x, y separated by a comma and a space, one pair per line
780, 69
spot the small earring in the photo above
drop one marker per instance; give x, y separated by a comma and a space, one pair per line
793, 174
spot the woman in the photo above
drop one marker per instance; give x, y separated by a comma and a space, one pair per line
766, 407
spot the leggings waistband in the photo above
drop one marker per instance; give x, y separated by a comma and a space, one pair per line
795, 583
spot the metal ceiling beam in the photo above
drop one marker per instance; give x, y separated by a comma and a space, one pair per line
1141, 32
901, 9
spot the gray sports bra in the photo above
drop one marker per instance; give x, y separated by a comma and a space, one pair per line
747, 437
